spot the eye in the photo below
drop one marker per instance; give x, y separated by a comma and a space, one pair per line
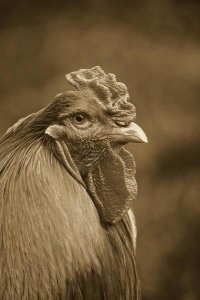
79, 119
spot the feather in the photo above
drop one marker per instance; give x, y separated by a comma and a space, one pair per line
51, 236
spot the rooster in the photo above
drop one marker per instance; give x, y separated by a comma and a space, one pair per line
67, 184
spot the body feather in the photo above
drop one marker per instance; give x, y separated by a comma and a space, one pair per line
52, 242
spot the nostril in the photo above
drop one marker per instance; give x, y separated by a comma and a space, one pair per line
122, 123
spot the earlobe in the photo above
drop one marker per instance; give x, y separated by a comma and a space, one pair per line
57, 132
61, 152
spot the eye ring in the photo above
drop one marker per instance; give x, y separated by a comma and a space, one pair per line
79, 119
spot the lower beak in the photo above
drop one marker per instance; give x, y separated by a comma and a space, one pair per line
131, 133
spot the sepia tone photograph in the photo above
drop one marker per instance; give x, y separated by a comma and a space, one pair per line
99, 150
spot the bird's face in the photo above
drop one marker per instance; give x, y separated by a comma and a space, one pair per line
88, 127
94, 135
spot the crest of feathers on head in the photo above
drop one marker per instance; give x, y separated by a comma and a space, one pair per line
112, 94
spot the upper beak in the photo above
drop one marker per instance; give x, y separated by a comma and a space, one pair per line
130, 133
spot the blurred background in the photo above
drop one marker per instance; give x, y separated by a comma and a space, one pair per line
154, 48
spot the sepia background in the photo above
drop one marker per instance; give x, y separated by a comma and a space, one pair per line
153, 47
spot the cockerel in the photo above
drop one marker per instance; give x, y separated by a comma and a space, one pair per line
67, 184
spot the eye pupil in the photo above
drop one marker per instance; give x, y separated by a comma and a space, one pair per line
79, 118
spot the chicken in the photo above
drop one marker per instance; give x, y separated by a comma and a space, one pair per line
67, 185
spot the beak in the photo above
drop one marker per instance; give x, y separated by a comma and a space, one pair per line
131, 133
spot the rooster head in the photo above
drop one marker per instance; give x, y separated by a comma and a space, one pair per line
92, 124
